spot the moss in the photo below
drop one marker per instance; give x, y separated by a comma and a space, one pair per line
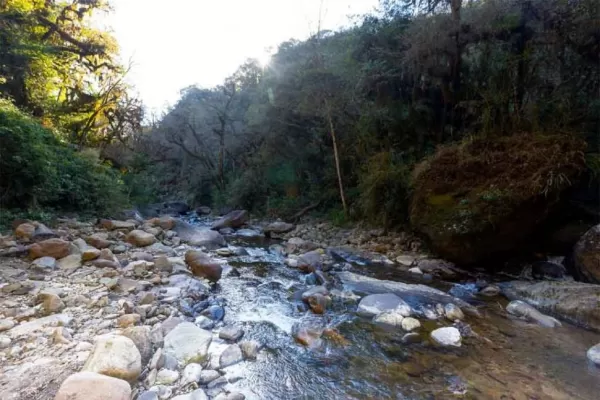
482, 196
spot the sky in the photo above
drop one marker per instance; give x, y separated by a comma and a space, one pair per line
173, 44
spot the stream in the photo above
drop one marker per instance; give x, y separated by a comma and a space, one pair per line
504, 358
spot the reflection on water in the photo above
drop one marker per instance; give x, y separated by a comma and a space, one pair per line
508, 360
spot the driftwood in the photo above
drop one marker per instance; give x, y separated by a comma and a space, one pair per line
294, 218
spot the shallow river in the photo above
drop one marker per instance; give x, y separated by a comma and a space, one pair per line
510, 359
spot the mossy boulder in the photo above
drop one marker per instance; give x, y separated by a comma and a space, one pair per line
486, 196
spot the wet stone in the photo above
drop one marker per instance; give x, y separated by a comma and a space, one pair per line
232, 355
231, 333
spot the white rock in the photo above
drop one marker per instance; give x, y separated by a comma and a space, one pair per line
389, 318
230, 356
410, 324
93, 386
115, 356
593, 354
448, 336
374, 304
166, 377
191, 374
83, 346
187, 343
208, 376
163, 392
415, 270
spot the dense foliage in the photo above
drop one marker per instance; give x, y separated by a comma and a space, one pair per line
343, 117
40, 171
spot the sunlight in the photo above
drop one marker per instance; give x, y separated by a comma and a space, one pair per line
264, 59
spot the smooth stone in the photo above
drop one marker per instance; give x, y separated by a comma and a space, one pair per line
523, 310
44, 263
148, 395
115, 356
6, 324
410, 324
187, 343
231, 333
230, 356
453, 312
93, 386
191, 374
249, 349
448, 336
204, 322
163, 392
593, 354
411, 337
208, 376
140, 335
40, 323
374, 304
166, 376
388, 318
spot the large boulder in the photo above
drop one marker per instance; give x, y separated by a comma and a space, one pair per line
482, 197
93, 386
234, 219
187, 343
56, 248
201, 237
202, 265
140, 238
586, 255
115, 356
575, 302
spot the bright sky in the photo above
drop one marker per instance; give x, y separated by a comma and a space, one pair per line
177, 43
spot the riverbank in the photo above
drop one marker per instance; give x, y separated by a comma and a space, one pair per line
166, 309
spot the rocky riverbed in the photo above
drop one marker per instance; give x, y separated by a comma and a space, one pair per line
172, 309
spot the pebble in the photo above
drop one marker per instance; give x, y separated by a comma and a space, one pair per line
448, 336
148, 395
453, 312
388, 318
163, 392
410, 324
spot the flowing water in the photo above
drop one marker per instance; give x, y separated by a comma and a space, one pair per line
509, 359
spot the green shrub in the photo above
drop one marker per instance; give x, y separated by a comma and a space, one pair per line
38, 171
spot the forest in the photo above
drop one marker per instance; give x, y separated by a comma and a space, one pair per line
452, 117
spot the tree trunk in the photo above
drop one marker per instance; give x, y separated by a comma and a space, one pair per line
336, 157
221, 160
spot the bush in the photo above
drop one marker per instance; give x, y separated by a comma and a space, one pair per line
38, 171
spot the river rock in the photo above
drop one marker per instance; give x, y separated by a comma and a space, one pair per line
25, 231
204, 322
234, 219
318, 303
99, 240
70, 263
191, 374
410, 324
250, 349
140, 335
51, 303
93, 386
586, 255
389, 318
208, 376
453, 312
593, 354
42, 232
523, 310
311, 261
140, 238
56, 248
6, 324
448, 336
44, 264
90, 253
576, 302
202, 265
187, 343
308, 333
30, 327
197, 394
127, 320
230, 356
201, 237
115, 356
418, 293
148, 395
112, 225
166, 377
296, 244
278, 228
378, 303
231, 333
